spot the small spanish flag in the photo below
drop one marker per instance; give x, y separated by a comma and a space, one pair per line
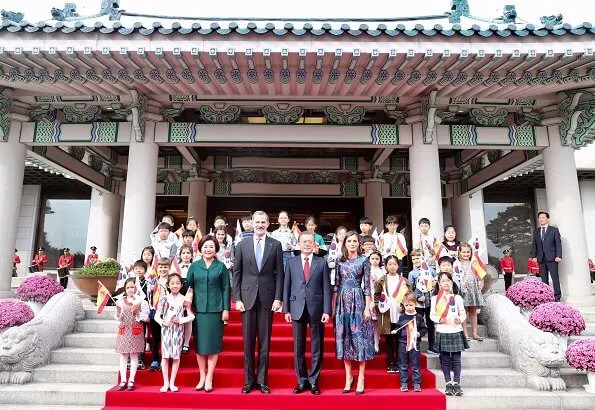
411, 329
179, 232
188, 298
401, 290
156, 296
103, 295
197, 238
400, 248
440, 252
295, 230
441, 305
478, 267
175, 267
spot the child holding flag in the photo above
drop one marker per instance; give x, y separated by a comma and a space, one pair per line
172, 313
471, 285
428, 244
411, 328
334, 250
422, 280
388, 295
159, 289
392, 241
130, 341
448, 312
184, 265
376, 272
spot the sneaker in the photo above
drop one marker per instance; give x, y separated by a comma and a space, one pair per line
449, 389
417, 388
141, 365
404, 389
457, 389
154, 366
390, 369
433, 351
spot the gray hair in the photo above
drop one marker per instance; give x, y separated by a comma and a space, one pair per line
260, 213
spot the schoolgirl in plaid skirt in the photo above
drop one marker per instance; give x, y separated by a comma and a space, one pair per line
448, 312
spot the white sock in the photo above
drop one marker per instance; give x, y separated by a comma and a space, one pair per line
123, 366
133, 366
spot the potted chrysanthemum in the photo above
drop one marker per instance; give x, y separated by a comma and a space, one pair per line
37, 290
528, 294
14, 313
558, 318
581, 355
104, 270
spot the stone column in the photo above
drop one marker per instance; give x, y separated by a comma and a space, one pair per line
104, 223
564, 202
197, 203
469, 221
141, 190
373, 206
425, 185
587, 188
12, 171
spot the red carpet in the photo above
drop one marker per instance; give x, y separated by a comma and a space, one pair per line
382, 389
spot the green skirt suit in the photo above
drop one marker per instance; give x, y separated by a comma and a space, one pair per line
211, 297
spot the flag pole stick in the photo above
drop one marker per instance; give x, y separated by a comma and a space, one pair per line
396, 330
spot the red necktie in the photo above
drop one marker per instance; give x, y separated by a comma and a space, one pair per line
306, 269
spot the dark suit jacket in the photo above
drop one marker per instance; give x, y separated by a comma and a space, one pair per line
551, 246
315, 293
249, 283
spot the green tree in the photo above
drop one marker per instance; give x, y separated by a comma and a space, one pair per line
512, 228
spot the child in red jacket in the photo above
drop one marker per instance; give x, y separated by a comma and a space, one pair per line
507, 267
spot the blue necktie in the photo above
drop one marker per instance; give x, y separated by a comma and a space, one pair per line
258, 253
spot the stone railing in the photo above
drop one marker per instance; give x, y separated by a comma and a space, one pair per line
536, 353
25, 347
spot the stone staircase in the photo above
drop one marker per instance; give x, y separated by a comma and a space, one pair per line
490, 382
81, 371
78, 374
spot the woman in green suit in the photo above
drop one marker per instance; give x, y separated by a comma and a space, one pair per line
209, 279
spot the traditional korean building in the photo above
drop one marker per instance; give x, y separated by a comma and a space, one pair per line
450, 116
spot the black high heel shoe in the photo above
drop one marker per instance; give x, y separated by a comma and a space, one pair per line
359, 392
345, 391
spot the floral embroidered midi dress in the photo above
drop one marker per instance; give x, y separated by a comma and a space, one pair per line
354, 337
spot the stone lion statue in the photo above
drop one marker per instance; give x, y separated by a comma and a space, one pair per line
536, 353
25, 347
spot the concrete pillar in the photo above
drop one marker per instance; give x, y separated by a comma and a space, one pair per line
587, 188
27, 226
564, 202
104, 223
540, 201
373, 206
12, 171
141, 190
197, 202
469, 221
426, 189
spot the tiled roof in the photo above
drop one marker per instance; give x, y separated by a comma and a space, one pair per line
280, 28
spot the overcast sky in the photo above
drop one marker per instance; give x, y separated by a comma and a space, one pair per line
574, 11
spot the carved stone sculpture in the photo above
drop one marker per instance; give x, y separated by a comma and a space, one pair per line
25, 347
536, 353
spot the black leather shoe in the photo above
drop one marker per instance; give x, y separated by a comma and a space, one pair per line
300, 388
264, 389
247, 388
315, 390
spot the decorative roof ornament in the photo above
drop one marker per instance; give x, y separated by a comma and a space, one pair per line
11, 16
553, 20
458, 9
509, 13
68, 12
110, 8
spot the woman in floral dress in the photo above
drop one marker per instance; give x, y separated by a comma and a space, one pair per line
354, 332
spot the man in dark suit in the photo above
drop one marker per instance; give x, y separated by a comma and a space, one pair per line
307, 301
258, 291
547, 250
